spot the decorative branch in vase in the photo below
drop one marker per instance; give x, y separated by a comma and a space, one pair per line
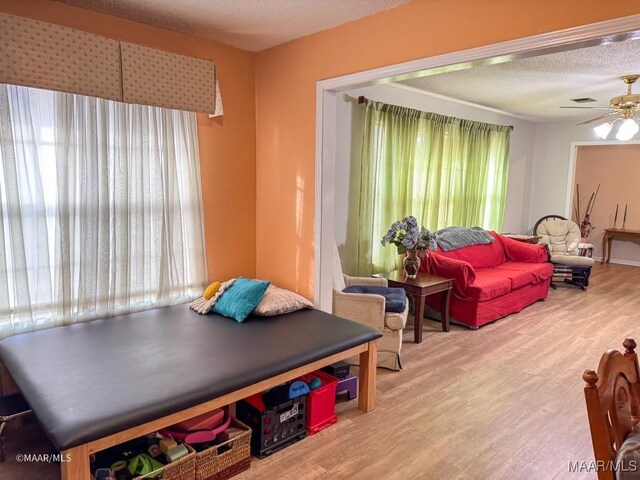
410, 239
584, 221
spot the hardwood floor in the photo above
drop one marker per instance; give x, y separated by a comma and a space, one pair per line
503, 402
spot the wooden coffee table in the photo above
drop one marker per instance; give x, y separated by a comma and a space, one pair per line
419, 288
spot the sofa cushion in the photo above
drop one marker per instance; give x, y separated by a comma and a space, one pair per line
519, 278
527, 273
572, 260
396, 298
479, 256
490, 283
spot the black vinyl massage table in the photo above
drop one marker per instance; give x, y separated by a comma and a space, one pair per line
100, 383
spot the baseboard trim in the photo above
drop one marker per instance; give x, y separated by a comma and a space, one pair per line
631, 263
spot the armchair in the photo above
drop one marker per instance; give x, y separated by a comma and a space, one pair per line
370, 310
562, 239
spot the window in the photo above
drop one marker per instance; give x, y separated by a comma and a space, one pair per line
443, 170
101, 210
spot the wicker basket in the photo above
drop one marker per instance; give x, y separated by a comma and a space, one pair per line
183, 469
215, 464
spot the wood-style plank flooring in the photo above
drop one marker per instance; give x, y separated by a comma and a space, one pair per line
503, 402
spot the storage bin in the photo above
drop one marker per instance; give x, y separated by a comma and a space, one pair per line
275, 428
183, 469
321, 404
226, 459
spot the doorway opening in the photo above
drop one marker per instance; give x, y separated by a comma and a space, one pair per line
331, 91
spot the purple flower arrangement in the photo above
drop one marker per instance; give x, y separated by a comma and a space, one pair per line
406, 235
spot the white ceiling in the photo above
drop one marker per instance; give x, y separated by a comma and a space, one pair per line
248, 24
535, 87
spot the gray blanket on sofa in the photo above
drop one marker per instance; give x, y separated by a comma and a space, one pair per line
452, 238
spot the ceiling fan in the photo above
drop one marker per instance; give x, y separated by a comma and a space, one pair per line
624, 105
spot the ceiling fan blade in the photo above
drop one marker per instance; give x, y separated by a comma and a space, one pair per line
599, 117
593, 108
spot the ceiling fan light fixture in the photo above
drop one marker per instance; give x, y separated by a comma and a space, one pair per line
627, 130
603, 131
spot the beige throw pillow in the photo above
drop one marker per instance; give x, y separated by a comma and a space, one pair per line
277, 301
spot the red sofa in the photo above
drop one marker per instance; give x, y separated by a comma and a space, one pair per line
491, 281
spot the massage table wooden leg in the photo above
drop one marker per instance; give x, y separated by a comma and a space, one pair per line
367, 378
77, 466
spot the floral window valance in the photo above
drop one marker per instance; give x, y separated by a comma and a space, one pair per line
45, 55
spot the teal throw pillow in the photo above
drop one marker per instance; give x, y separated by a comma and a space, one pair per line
241, 298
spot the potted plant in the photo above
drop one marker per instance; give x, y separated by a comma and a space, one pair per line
410, 239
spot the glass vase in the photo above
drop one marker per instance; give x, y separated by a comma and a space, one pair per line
411, 264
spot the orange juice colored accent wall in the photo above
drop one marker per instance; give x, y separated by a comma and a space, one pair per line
616, 168
286, 78
257, 161
227, 143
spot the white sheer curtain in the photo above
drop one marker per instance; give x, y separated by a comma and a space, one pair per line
101, 208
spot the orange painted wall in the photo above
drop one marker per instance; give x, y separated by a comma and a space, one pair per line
286, 78
258, 160
616, 168
227, 144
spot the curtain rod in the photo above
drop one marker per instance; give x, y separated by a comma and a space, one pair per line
364, 100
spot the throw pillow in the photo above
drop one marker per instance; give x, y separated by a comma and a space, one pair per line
277, 301
241, 298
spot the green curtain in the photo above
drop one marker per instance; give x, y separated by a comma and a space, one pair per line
445, 171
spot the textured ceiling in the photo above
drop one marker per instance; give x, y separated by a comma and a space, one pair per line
535, 87
248, 24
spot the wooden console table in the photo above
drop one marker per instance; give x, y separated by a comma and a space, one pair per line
610, 234
418, 288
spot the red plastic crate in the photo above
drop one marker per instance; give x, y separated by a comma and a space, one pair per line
321, 402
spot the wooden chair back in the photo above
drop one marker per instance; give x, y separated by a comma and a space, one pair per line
613, 399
